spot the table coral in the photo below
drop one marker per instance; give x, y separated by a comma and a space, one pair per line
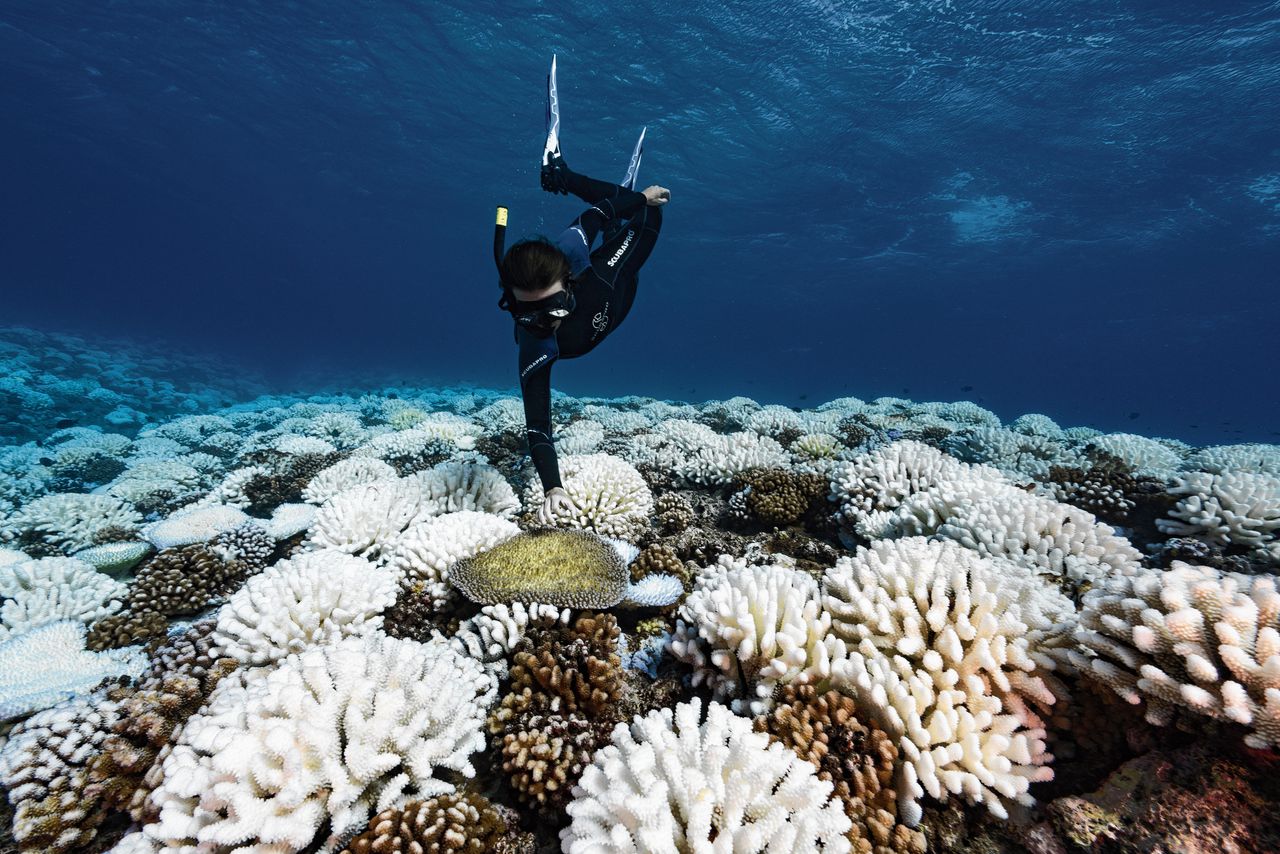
570, 568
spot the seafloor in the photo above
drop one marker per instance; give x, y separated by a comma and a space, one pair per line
235, 622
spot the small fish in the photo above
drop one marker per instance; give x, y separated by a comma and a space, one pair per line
1197, 427
63, 423
906, 391
966, 388
804, 397
1133, 416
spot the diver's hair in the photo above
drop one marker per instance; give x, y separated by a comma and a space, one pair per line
534, 264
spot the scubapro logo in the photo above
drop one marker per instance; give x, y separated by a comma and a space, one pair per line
626, 241
600, 321
532, 365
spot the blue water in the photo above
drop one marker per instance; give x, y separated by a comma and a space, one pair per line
1068, 207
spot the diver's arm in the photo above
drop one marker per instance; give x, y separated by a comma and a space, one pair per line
536, 357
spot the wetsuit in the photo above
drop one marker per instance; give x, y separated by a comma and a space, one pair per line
605, 287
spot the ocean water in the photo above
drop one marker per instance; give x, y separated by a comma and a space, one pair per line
1067, 208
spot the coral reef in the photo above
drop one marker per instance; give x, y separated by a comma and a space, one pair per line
570, 568
446, 824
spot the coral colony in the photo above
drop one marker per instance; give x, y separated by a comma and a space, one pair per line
330, 623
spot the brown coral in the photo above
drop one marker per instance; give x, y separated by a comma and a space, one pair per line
188, 579
415, 614
659, 559
856, 756
777, 497
285, 479
126, 629
674, 513
544, 755
458, 824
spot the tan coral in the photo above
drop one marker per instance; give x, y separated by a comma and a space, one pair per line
851, 752
659, 559
567, 568
446, 824
126, 629
777, 497
544, 755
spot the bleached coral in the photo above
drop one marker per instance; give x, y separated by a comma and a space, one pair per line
817, 446
1001, 520
198, 524
320, 743
289, 520
231, 490
1222, 459
1189, 638
69, 521
1018, 454
1035, 424
1146, 456
313, 598
580, 437
676, 781
453, 486
490, 636
43, 766
342, 429
49, 664
423, 553
747, 629
946, 648
343, 475
303, 445
364, 519
774, 421
610, 495
1236, 508
883, 478
724, 458
55, 588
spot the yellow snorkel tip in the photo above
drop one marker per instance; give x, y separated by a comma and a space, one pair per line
502, 216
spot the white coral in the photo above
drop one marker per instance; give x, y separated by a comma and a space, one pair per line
1192, 638
329, 737
55, 588
944, 647
69, 521
1250, 457
453, 486
747, 629
423, 553
1236, 508
310, 599
197, 524
722, 459
673, 781
490, 636
1146, 456
610, 495
362, 520
344, 475
49, 664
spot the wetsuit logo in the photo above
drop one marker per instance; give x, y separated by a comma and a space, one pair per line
626, 241
600, 321
533, 364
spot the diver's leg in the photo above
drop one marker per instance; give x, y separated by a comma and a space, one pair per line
620, 258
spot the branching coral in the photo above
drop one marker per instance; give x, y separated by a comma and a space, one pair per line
454, 486
54, 588
194, 525
362, 520
676, 781
324, 740
314, 598
66, 522
186, 580
43, 766
344, 475
747, 629
1236, 508
610, 495
1189, 638
49, 664
777, 497
851, 752
424, 552
947, 649
446, 824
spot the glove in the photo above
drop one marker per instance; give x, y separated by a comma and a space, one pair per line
555, 175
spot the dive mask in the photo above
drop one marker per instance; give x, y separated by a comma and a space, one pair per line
540, 314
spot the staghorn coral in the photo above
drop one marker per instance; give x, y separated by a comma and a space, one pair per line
747, 629
43, 766
314, 598
851, 752
675, 780
491, 635
571, 568
1188, 638
464, 823
950, 651
319, 743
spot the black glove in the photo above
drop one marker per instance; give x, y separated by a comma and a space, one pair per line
555, 175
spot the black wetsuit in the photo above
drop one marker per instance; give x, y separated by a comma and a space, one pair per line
605, 287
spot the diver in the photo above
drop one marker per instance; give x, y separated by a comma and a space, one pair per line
565, 297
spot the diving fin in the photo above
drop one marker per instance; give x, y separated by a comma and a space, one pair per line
552, 148
633, 168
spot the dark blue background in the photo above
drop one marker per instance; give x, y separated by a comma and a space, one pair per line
1073, 207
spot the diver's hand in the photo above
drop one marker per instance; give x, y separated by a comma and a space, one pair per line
554, 175
656, 195
557, 503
